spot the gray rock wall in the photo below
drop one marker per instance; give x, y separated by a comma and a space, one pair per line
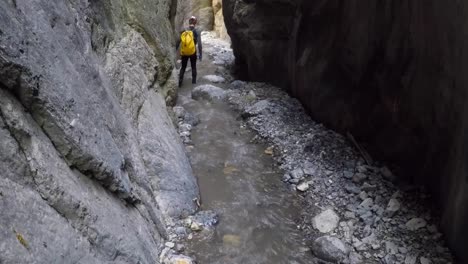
392, 73
91, 163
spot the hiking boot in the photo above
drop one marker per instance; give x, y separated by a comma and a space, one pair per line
180, 83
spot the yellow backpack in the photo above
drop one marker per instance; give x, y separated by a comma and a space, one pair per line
187, 42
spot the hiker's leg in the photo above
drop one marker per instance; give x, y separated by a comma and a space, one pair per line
193, 63
182, 69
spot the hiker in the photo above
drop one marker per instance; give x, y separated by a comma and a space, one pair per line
189, 39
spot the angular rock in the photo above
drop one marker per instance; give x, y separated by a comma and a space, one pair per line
391, 248
411, 259
257, 108
355, 258
415, 224
303, 187
359, 177
179, 111
392, 208
352, 188
330, 248
326, 221
424, 260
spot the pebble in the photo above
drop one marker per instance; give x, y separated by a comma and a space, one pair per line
387, 174
415, 224
179, 111
424, 260
367, 203
355, 258
393, 207
196, 227
330, 248
411, 259
303, 187
326, 221
391, 248
170, 244
352, 188
359, 177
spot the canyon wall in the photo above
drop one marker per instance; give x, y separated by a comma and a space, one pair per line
91, 165
392, 73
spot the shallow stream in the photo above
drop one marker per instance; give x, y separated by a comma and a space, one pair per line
240, 182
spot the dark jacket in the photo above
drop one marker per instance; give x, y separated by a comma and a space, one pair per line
197, 39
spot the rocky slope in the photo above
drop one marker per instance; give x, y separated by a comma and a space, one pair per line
391, 73
91, 164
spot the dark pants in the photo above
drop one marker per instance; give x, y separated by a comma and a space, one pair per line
193, 63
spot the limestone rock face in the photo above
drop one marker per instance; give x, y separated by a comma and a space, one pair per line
391, 73
91, 164
202, 9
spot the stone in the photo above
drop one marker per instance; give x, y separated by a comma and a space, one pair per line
310, 168
368, 187
367, 203
214, 78
297, 173
179, 248
251, 96
303, 186
387, 174
208, 92
170, 244
390, 259
330, 248
206, 218
355, 258
424, 260
415, 224
363, 195
348, 174
392, 208
352, 188
191, 119
326, 221
359, 177
258, 108
411, 259
185, 128
196, 227
237, 84
391, 248
179, 111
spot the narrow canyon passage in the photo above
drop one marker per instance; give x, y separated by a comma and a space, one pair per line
286, 189
258, 214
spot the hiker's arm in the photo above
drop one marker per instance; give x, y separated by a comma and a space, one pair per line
200, 49
177, 44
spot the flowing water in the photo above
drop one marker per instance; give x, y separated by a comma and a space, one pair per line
243, 185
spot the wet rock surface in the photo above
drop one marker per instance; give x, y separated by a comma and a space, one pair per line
92, 163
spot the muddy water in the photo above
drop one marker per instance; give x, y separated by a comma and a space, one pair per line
241, 183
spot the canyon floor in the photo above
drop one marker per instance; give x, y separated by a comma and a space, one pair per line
277, 187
